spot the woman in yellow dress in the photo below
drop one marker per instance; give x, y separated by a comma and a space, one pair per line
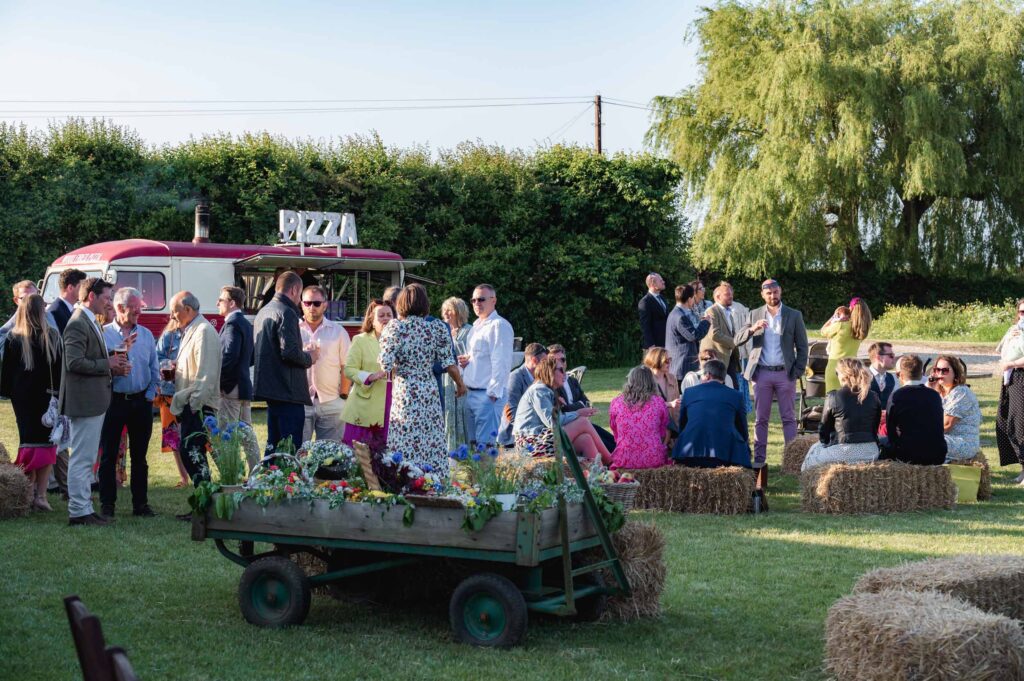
847, 328
366, 410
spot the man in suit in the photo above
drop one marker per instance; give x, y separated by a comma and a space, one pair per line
653, 312
131, 403
883, 383
914, 419
712, 423
64, 305
684, 330
778, 357
281, 363
722, 336
573, 399
236, 347
518, 381
85, 390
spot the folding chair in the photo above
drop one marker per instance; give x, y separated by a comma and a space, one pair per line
89, 643
118, 659
578, 373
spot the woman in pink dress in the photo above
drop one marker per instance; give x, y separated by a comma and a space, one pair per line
639, 419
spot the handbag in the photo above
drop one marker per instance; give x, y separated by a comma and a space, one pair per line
60, 432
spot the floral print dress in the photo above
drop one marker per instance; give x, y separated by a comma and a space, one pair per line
410, 347
963, 441
639, 433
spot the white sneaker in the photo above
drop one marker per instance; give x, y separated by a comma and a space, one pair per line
1020, 478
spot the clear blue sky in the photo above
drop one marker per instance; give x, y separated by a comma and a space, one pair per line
307, 50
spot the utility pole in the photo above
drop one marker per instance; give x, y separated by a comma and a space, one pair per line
597, 124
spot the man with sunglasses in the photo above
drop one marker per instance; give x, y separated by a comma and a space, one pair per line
281, 363
326, 377
236, 346
883, 359
486, 367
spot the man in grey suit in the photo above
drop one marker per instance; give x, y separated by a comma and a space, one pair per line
85, 394
778, 356
518, 381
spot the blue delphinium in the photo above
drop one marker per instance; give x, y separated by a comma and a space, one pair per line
477, 457
397, 457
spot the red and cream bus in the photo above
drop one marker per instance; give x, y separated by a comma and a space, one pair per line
352, 276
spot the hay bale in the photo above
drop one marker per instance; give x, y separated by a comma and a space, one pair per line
723, 491
15, 492
641, 549
902, 635
985, 485
4, 456
884, 487
795, 452
994, 584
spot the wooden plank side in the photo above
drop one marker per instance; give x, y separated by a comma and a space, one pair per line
579, 524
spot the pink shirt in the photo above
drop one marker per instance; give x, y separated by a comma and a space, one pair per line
639, 433
324, 377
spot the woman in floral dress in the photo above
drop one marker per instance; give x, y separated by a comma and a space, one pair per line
409, 346
961, 411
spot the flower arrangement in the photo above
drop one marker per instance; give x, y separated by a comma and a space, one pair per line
480, 468
335, 458
225, 447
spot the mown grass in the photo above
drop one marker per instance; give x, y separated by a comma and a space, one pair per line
746, 596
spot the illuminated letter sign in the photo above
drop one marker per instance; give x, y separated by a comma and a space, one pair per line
313, 228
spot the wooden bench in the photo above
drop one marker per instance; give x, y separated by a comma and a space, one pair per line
97, 661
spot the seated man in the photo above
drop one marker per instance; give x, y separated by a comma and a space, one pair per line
712, 423
518, 381
697, 377
914, 419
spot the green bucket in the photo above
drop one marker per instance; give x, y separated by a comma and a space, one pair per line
967, 480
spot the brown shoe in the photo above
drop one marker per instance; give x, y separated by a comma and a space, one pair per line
92, 519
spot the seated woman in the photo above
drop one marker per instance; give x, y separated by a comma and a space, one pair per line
533, 428
961, 423
712, 423
658, 361
697, 377
849, 421
639, 419
844, 331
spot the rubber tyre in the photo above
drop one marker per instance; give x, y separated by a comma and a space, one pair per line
590, 608
274, 593
488, 610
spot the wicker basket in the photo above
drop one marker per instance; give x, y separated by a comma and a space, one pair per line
622, 492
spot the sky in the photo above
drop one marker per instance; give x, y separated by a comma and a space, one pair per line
168, 70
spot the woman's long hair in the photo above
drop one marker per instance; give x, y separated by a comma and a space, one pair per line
30, 328
544, 372
854, 376
860, 319
639, 386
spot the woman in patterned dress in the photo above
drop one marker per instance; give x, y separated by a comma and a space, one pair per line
639, 418
1010, 416
960, 408
456, 314
409, 346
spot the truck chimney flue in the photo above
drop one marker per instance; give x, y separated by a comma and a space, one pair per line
202, 233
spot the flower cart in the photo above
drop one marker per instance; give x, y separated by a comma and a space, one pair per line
523, 559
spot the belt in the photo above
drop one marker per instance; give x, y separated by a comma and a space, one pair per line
130, 396
475, 389
777, 367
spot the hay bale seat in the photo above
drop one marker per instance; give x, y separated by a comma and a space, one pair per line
723, 491
994, 584
900, 635
4, 456
15, 492
641, 550
794, 453
884, 487
985, 486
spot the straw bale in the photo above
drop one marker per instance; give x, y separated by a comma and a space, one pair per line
641, 549
985, 486
15, 492
724, 491
795, 452
991, 583
884, 487
4, 456
903, 635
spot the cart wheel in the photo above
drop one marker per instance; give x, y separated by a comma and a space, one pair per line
488, 610
274, 592
590, 608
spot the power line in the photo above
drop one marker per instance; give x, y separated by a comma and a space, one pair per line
285, 101
564, 128
630, 106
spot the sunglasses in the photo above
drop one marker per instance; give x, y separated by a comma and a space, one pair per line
886, 354
1020, 312
942, 370
312, 303
481, 301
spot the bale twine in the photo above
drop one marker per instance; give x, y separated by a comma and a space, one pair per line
994, 584
885, 487
794, 453
641, 550
985, 485
15, 492
904, 635
722, 491
4, 456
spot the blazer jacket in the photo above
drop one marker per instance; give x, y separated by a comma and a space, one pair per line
61, 314
281, 362
197, 376
794, 341
85, 382
518, 381
365, 404
653, 313
579, 398
712, 427
682, 340
236, 356
723, 340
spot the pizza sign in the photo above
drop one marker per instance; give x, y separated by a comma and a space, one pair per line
315, 228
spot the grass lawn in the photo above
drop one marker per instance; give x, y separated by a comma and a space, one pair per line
746, 596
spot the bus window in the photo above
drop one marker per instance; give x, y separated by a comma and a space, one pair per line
51, 287
154, 293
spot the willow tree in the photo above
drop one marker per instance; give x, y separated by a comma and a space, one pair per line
830, 133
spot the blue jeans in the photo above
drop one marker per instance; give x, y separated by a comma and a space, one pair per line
483, 415
744, 387
284, 419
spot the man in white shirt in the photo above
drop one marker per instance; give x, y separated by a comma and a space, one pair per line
486, 367
325, 375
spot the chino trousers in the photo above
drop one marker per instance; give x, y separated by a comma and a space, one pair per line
769, 384
135, 412
323, 419
85, 445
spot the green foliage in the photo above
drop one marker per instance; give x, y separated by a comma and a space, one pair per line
829, 132
948, 321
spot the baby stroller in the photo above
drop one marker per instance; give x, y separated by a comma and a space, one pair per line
812, 384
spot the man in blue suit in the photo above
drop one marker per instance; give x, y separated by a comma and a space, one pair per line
712, 423
236, 342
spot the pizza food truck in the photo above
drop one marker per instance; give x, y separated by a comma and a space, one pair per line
321, 247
